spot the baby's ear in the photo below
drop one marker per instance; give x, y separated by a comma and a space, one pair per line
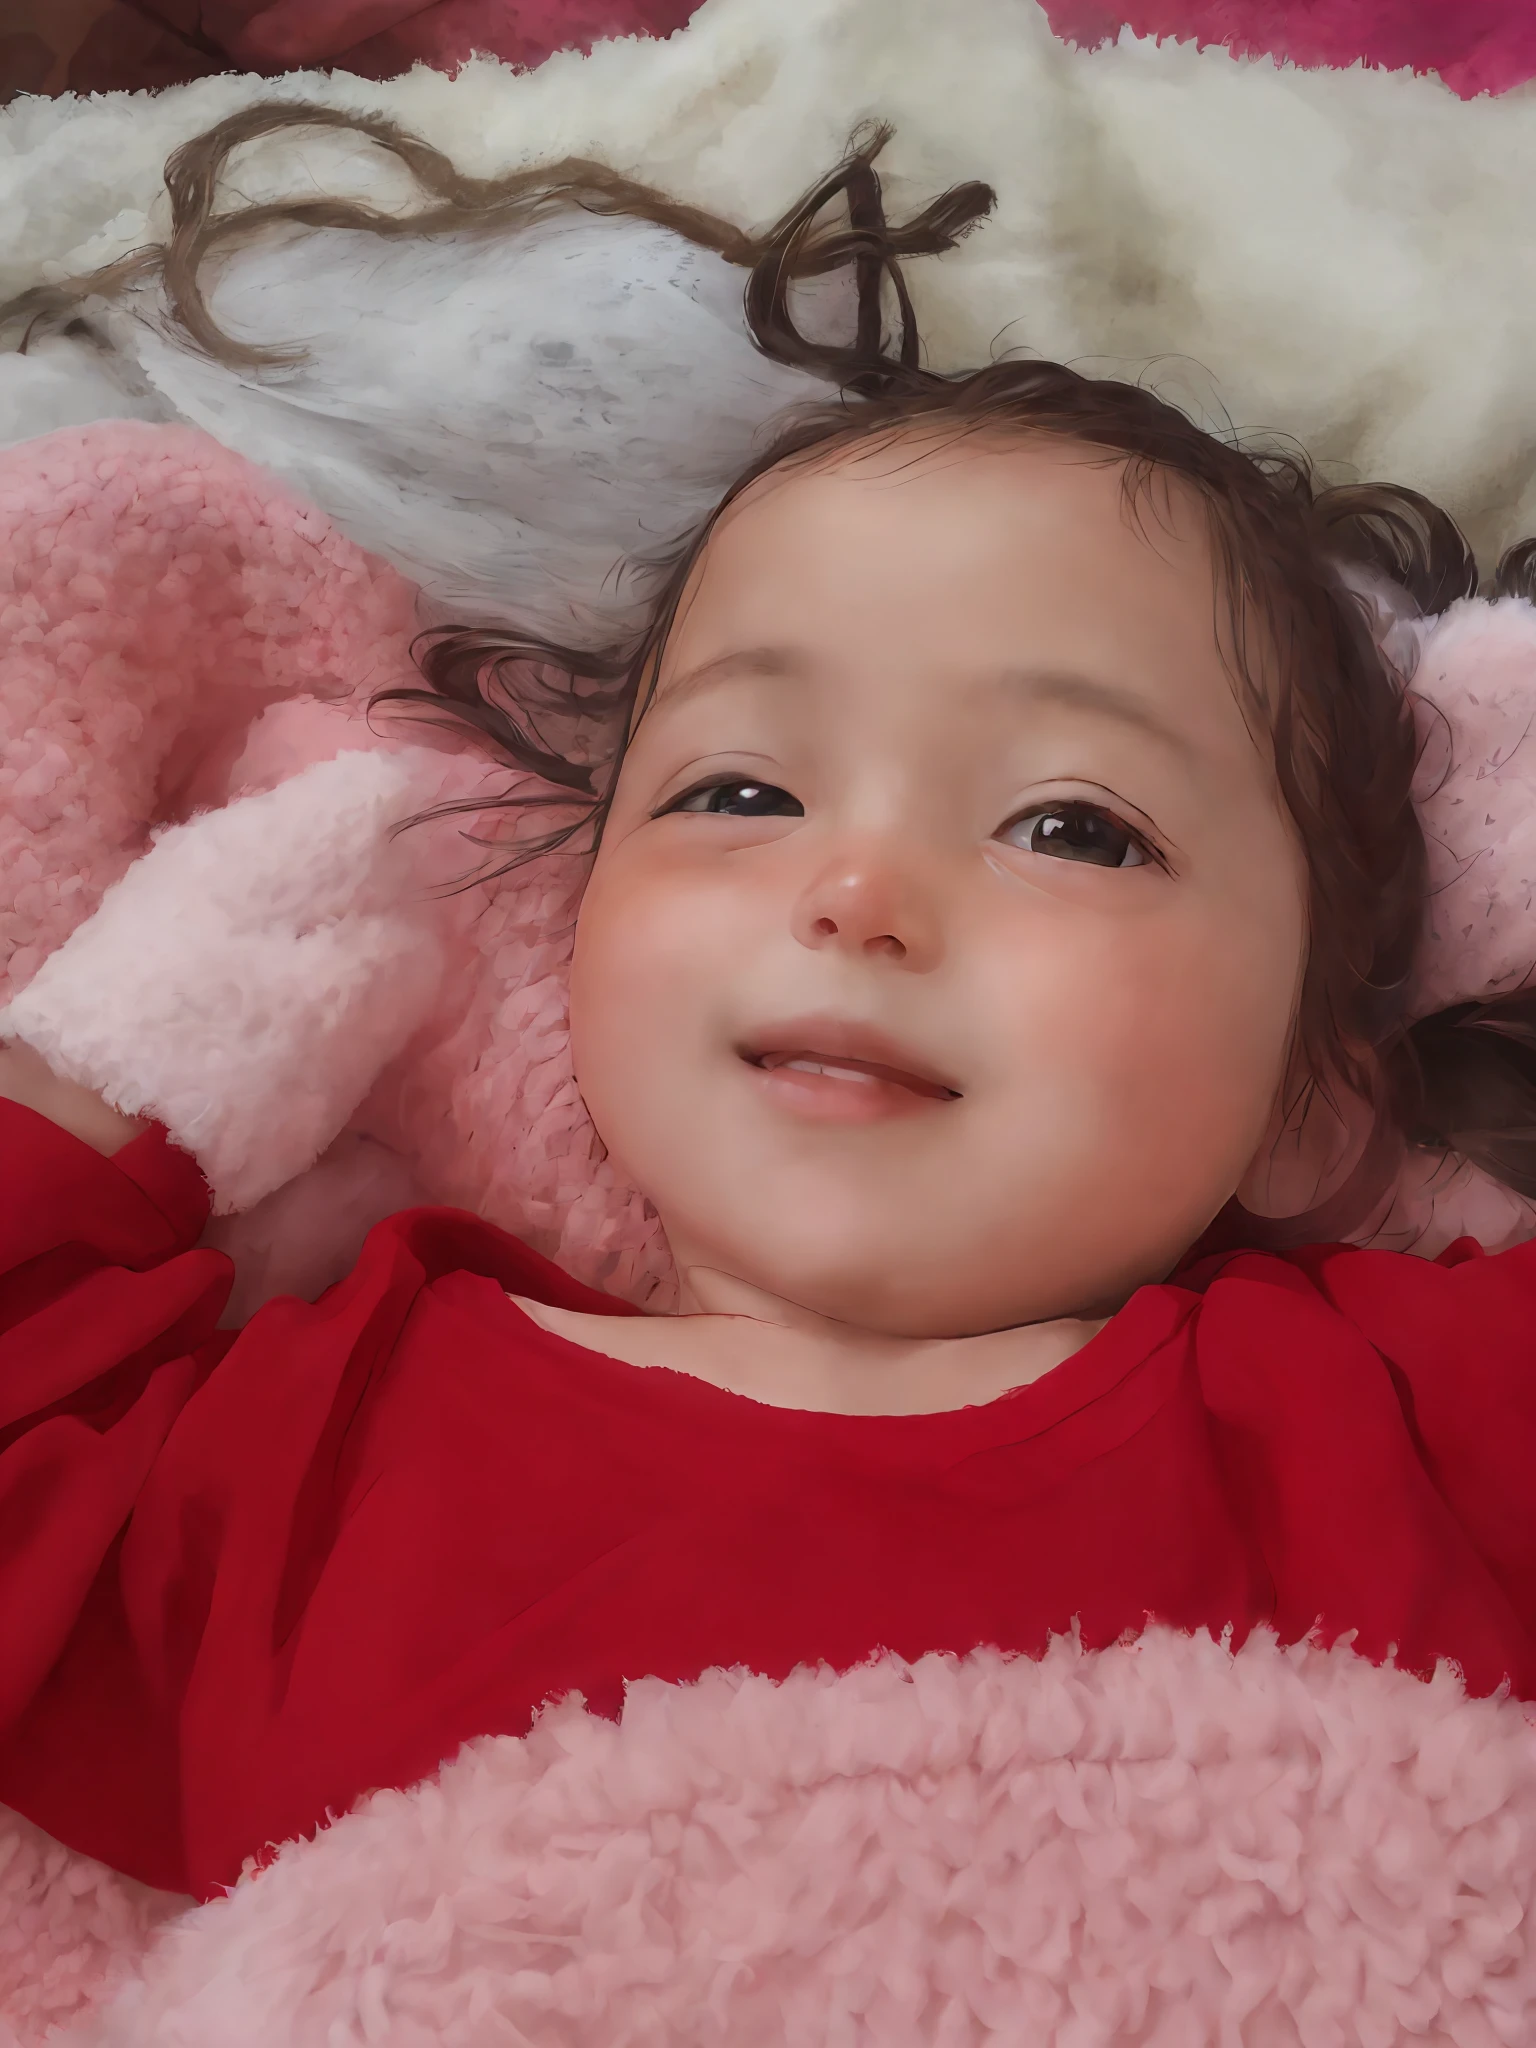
1312, 1155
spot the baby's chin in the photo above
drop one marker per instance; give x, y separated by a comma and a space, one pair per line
938, 1219
928, 1258
891, 1283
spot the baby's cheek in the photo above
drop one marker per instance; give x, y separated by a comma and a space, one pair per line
616, 936
1213, 1056
636, 975
1150, 1043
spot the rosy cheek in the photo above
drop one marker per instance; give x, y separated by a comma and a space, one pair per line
635, 933
1150, 1022
675, 902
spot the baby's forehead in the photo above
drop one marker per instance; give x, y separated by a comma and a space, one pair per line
923, 470
848, 597
939, 517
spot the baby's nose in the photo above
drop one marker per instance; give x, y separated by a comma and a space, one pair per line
879, 907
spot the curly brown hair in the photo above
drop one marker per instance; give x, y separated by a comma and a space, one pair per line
803, 243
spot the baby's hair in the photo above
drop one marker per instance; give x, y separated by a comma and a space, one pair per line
1340, 720
803, 243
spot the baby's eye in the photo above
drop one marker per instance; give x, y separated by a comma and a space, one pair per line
737, 798
1077, 832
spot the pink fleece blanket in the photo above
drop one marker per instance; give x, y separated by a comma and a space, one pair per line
1161, 1844
1164, 1844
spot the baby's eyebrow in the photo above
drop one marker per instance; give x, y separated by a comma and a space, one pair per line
730, 667
1081, 692
1073, 688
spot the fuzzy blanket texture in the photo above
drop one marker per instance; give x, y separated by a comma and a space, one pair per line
1165, 1844
1161, 1844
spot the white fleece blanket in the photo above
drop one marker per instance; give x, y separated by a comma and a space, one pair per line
1343, 257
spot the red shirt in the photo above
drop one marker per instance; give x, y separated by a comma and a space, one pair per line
246, 1577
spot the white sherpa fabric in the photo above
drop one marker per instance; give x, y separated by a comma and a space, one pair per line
248, 978
504, 419
1337, 256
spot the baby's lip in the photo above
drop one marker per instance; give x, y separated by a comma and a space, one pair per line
837, 1041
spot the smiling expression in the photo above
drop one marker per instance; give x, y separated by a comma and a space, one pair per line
939, 966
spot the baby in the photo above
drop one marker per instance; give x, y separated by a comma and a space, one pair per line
993, 970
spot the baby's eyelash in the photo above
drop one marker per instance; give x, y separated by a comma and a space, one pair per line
1085, 832
759, 799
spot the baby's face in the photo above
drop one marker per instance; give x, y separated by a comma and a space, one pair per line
938, 969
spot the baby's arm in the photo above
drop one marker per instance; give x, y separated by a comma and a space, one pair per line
1459, 1333
247, 979
239, 988
107, 1330
27, 1078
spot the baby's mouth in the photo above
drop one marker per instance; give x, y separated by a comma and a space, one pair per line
843, 1073
837, 1067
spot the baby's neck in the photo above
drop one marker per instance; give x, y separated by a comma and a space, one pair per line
806, 1365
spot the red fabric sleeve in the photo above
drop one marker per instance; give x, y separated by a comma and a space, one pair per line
171, 1496
107, 1325
1458, 1334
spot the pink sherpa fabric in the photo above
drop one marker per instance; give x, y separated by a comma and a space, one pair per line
175, 631
1162, 1844
155, 597
70, 1931
1476, 687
